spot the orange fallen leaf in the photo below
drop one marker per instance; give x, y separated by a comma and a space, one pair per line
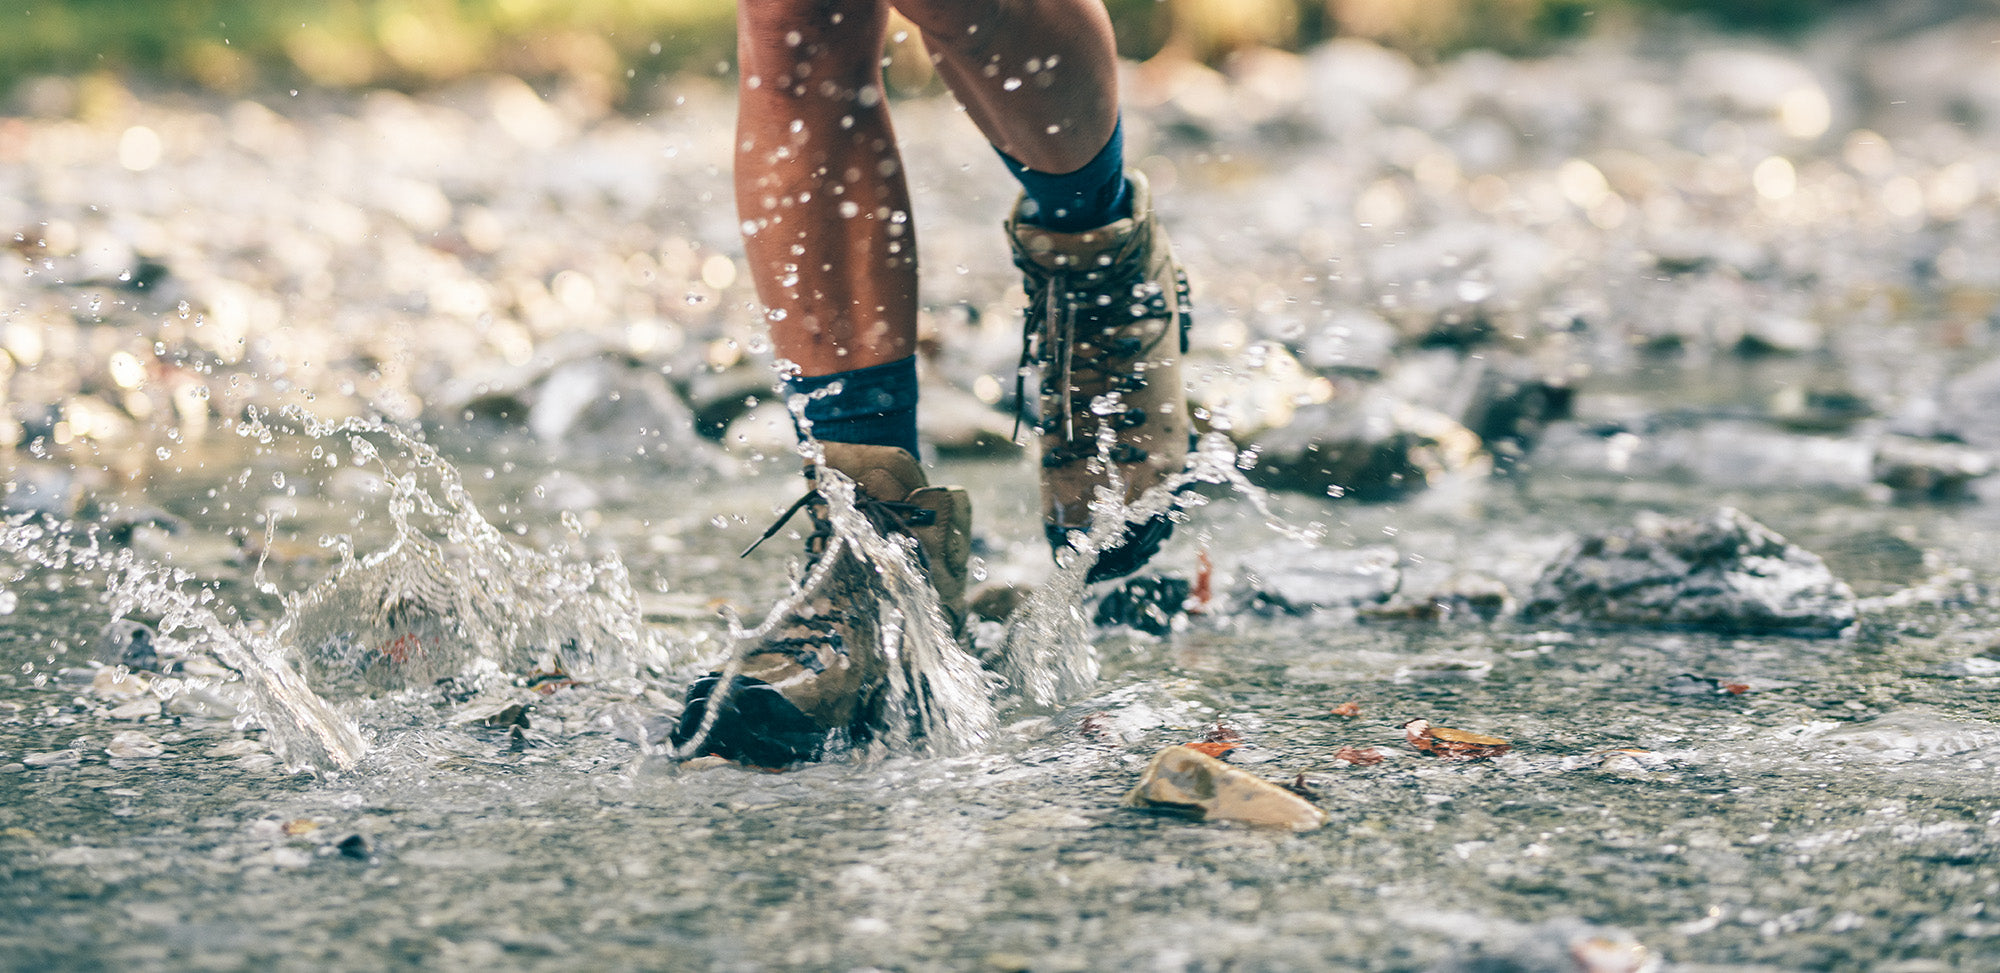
1359, 756
1452, 744
1349, 708
1212, 748
299, 826
1735, 688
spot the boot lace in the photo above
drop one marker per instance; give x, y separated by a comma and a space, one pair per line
1072, 326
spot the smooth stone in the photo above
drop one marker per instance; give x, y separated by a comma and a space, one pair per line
1187, 781
117, 682
144, 707
131, 744
1301, 581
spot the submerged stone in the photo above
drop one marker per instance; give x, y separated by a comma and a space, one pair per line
1724, 572
1186, 781
1376, 449
127, 643
1149, 604
1296, 581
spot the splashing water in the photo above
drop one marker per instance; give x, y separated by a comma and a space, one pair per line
450, 596
1048, 655
303, 728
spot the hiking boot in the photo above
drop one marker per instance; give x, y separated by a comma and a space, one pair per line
1107, 325
821, 672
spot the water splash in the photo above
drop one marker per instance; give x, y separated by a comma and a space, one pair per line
303, 729
449, 592
1048, 655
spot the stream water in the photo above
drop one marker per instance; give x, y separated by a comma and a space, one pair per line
1839, 813
413, 688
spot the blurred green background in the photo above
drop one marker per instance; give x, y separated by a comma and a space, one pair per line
235, 45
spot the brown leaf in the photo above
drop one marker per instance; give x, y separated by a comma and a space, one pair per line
1359, 756
1349, 708
1735, 688
1452, 744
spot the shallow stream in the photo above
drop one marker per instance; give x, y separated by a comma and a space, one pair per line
1838, 812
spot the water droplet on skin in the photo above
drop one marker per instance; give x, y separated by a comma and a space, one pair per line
1010, 84
848, 209
278, 479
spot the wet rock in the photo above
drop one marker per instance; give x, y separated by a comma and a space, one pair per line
601, 405
54, 758
1909, 734
118, 683
719, 398
1185, 781
142, 708
1969, 404
1919, 470
1777, 334
134, 745
1734, 454
1802, 408
1443, 670
1512, 404
1149, 604
1723, 571
1374, 449
353, 847
1298, 581
122, 522
127, 643
39, 489
1461, 597
203, 702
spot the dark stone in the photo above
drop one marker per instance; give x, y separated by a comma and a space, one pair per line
1374, 450
354, 847
1148, 604
1723, 572
127, 643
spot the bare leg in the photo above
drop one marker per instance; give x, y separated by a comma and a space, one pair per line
1039, 77
820, 187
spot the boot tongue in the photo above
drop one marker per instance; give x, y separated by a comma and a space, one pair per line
1053, 250
882, 472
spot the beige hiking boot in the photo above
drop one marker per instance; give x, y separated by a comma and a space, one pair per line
821, 672
1107, 322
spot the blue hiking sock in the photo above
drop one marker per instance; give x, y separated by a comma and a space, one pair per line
875, 406
1082, 200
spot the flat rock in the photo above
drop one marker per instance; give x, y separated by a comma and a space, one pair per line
1723, 571
1190, 782
1302, 581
